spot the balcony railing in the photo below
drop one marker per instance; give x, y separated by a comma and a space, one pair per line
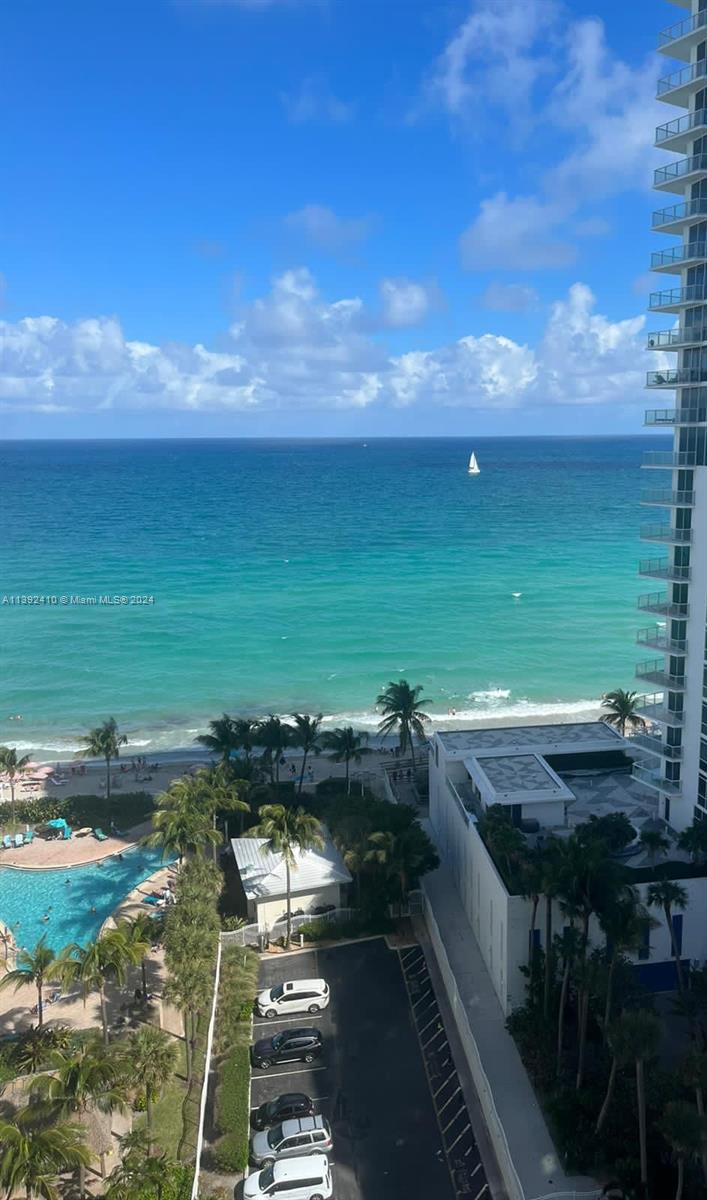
665, 533
662, 568
658, 603
665, 459
693, 293
680, 212
676, 416
653, 777
688, 252
656, 637
654, 672
678, 79
666, 498
676, 170
656, 745
654, 708
674, 32
682, 125
676, 377
673, 339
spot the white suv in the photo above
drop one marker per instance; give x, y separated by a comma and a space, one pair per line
294, 996
306, 1178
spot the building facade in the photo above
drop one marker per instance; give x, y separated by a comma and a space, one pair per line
675, 764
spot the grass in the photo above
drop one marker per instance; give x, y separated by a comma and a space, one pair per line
238, 987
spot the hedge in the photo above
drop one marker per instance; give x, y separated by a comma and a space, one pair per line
232, 1113
237, 991
126, 808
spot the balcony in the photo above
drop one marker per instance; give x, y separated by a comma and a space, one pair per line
678, 40
656, 745
654, 708
673, 260
674, 176
665, 498
664, 460
656, 638
662, 568
653, 777
676, 298
677, 339
679, 216
678, 135
676, 377
654, 671
678, 87
658, 604
659, 417
666, 534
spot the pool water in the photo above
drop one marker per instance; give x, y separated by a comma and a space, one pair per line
76, 900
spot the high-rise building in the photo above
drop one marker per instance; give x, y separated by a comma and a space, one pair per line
676, 765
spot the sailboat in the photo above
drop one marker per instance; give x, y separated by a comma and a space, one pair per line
474, 468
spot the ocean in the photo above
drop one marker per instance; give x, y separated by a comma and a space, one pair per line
303, 575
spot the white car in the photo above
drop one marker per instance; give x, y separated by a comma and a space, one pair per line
293, 996
291, 1139
307, 1178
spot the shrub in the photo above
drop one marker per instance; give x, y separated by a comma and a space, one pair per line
131, 808
232, 1114
324, 931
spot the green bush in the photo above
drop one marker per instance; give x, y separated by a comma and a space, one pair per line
325, 931
127, 809
232, 1114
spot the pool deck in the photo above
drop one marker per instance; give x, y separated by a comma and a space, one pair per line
43, 855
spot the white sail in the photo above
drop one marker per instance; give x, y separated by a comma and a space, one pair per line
474, 468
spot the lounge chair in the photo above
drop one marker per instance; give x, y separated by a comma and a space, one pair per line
99, 835
19, 839
29, 837
67, 832
6, 842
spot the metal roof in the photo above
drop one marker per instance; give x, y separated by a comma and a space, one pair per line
264, 875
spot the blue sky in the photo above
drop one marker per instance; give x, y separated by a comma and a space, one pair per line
326, 217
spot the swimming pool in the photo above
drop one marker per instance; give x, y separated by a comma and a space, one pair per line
69, 896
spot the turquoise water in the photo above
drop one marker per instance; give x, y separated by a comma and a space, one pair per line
304, 575
67, 897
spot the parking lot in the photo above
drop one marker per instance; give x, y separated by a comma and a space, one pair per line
371, 1081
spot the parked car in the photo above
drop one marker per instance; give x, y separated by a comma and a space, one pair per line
290, 1139
292, 1045
294, 996
282, 1108
307, 1178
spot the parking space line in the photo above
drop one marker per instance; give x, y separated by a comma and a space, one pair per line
260, 1022
449, 1101
279, 1074
467, 1126
437, 1033
458, 1113
478, 1195
430, 1022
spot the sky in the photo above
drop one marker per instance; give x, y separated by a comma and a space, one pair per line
327, 217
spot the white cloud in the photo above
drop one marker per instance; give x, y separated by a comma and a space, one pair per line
515, 234
510, 297
405, 302
314, 101
293, 349
324, 229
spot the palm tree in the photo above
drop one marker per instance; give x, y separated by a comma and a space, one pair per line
38, 966
344, 744
401, 712
286, 832
245, 731
33, 1153
104, 742
140, 1173
190, 987
624, 924
274, 736
139, 933
654, 843
633, 1037
221, 740
531, 889
180, 822
13, 767
622, 712
222, 793
694, 841
92, 967
81, 1079
684, 1130
668, 896
153, 1061
305, 734
354, 858
693, 1072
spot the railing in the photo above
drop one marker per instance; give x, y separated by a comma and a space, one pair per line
666, 458
672, 339
693, 293
656, 745
671, 129
665, 533
676, 377
669, 83
656, 637
678, 254
682, 166
205, 1086
253, 935
674, 32
676, 416
658, 602
662, 568
654, 671
653, 778
654, 708
668, 498
680, 212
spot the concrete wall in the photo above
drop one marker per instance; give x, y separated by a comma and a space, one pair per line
682, 807
267, 912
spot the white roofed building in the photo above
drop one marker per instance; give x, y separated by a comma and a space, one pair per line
318, 878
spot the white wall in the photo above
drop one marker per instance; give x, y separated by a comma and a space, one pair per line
267, 912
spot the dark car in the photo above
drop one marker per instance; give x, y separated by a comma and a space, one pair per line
287, 1107
293, 1045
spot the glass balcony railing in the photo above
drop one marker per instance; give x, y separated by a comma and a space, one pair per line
676, 255
693, 293
674, 32
657, 602
682, 125
662, 568
673, 339
676, 170
666, 498
677, 377
656, 745
654, 778
678, 79
656, 637
666, 459
676, 416
666, 533
654, 708
680, 212
654, 671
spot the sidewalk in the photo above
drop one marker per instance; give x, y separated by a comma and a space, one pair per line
516, 1125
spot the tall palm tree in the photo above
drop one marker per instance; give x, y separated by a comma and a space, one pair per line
190, 987
153, 1061
531, 885
38, 966
245, 731
13, 767
654, 843
693, 1072
33, 1153
694, 841
400, 705
633, 1037
624, 924
140, 1173
287, 832
345, 745
180, 822
684, 1131
354, 852
223, 793
622, 712
274, 736
103, 742
94, 966
81, 1079
306, 735
668, 896
139, 933
221, 740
